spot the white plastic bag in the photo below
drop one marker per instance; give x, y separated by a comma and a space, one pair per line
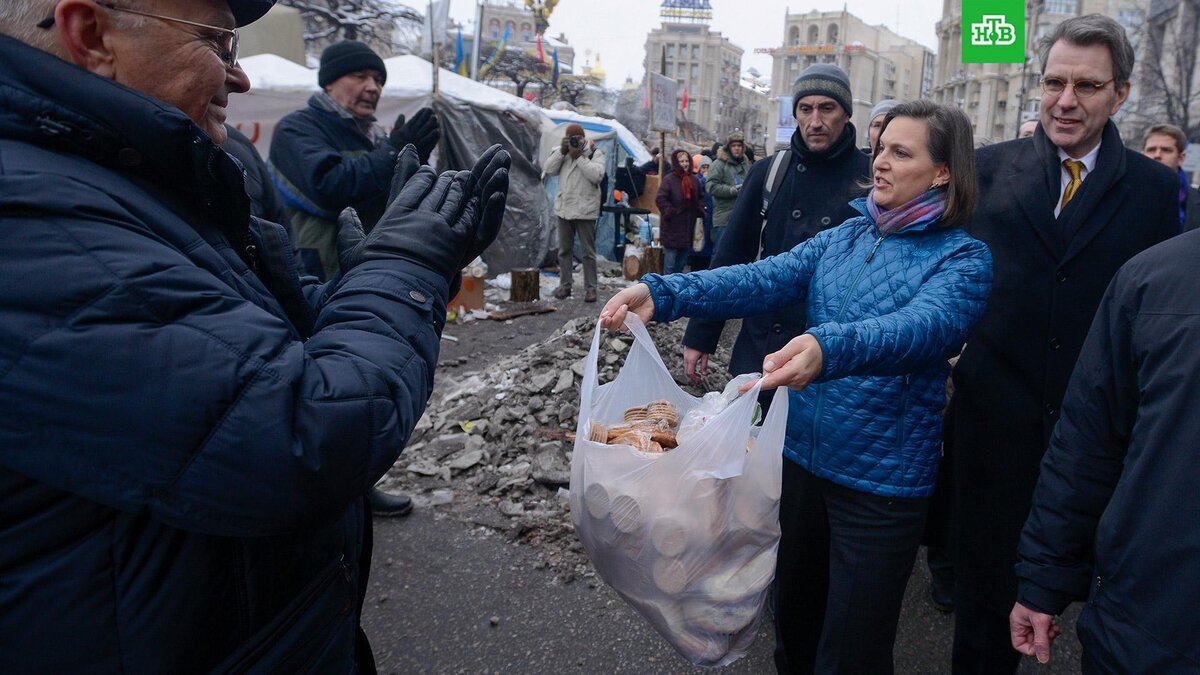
688, 537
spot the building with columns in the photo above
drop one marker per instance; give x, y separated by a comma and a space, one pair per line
881, 64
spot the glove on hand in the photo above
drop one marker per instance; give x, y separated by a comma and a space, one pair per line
490, 180
422, 131
432, 221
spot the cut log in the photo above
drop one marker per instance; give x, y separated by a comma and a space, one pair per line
626, 513
632, 264
598, 503
668, 536
652, 261
525, 285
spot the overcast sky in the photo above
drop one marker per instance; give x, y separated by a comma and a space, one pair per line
616, 29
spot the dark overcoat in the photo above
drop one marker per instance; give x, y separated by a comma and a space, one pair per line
1049, 277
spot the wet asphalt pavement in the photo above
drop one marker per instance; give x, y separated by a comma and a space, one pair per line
448, 596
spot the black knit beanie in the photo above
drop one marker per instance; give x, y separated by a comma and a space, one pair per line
347, 56
824, 79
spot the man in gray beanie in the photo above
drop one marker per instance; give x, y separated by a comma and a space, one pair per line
332, 155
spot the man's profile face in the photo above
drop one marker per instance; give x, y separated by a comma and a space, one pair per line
1027, 128
821, 120
358, 92
1162, 149
178, 64
1073, 123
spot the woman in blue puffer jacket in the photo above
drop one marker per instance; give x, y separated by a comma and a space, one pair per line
892, 295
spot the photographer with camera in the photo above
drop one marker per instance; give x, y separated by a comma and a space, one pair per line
580, 170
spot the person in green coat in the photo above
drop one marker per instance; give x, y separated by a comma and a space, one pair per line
725, 178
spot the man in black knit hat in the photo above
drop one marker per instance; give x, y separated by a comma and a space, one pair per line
814, 180
332, 155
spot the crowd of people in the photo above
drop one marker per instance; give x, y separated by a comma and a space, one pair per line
208, 359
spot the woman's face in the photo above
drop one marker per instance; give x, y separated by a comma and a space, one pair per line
873, 130
903, 169
685, 162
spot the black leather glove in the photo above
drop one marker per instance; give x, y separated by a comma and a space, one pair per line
489, 177
422, 131
431, 221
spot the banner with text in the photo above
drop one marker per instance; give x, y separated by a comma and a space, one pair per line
662, 103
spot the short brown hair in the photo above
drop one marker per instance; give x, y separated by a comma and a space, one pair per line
1167, 130
951, 142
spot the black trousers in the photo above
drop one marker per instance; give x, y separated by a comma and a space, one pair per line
844, 561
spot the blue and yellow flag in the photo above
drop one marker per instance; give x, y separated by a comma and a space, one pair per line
491, 60
460, 56
554, 76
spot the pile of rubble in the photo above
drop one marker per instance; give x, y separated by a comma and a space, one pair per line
492, 446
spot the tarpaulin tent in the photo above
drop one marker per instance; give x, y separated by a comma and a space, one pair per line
473, 116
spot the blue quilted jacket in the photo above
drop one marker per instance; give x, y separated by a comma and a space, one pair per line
888, 312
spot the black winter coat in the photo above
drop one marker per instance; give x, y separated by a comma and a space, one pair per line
1049, 277
264, 200
1115, 510
188, 428
815, 195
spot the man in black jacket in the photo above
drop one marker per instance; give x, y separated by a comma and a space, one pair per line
821, 175
1167, 145
1061, 212
1114, 513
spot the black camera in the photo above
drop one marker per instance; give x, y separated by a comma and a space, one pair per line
574, 141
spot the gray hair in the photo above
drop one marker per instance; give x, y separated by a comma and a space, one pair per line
1088, 30
19, 19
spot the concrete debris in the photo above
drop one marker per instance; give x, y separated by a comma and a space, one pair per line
495, 440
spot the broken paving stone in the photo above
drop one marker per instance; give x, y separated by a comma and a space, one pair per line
440, 497
540, 381
566, 380
424, 467
618, 345
568, 413
579, 366
447, 444
510, 508
550, 466
610, 359
466, 460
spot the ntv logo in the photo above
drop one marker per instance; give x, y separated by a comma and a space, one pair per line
993, 31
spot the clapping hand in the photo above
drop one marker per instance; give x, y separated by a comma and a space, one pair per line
422, 131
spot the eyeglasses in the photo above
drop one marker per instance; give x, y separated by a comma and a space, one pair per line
1083, 88
225, 42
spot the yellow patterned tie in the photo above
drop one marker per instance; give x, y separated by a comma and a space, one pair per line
1074, 168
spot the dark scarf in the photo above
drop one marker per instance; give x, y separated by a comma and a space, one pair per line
842, 144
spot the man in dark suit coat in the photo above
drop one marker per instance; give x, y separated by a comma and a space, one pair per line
1056, 241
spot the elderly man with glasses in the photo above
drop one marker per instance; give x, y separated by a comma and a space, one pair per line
189, 427
1061, 211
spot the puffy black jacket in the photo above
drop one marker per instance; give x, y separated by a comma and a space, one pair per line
1115, 509
815, 196
184, 443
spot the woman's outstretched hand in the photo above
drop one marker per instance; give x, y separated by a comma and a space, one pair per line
795, 366
634, 299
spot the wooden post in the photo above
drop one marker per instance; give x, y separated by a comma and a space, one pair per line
525, 286
652, 260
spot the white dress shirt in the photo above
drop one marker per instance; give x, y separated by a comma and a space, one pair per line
1089, 163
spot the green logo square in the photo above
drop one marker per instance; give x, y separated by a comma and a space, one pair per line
993, 31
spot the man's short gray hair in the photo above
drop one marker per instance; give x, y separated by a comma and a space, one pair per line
19, 20
1093, 29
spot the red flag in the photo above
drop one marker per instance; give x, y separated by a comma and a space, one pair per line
540, 53
646, 97
684, 105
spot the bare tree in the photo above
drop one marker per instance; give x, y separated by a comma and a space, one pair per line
1170, 66
520, 68
376, 22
